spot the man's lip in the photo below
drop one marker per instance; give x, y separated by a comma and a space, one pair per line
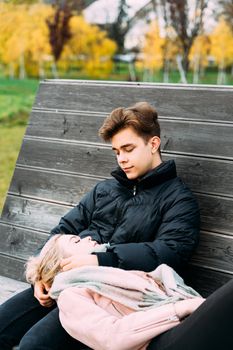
128, 168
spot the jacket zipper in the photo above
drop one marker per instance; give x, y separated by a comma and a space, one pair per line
134, 190
161, 322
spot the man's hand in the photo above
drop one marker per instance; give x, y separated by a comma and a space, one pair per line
41, 294
79, 261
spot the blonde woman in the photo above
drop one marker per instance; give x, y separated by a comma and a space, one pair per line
109, 308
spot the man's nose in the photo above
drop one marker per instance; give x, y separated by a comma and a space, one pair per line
122, 158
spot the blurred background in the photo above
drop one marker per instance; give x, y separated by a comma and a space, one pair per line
168, 41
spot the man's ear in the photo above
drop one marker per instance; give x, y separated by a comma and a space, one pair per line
155, 142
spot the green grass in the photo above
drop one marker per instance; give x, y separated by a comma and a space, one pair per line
10, 141
16, 100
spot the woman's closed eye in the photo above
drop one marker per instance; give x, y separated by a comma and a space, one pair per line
75, 239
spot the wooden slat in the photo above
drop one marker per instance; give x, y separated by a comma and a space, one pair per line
214, 251
13, 267
170, 100
10, 287
51, 186
20, 242
205, 281
177, 136
75, 158
32, 214
197, 138
200, 174
216, 213
205, 175
65, 126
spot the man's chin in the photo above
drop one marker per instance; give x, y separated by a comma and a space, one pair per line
131, 176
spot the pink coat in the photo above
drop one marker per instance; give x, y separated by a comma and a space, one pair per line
103, 324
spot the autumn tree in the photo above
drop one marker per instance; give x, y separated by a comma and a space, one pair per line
222, 48
152, 51
89, 46
186, 17
21, 42
24, 46
198, 55
59, 24
226, 11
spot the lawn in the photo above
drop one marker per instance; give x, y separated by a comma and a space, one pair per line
16, 100
10, 141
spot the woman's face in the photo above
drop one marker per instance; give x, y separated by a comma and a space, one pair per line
73, 245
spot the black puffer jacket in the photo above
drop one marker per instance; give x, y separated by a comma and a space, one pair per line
147, 222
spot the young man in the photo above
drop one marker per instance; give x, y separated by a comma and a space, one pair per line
146, 214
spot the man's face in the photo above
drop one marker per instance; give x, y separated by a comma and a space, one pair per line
134, 155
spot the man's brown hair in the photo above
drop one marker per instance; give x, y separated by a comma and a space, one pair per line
142, 117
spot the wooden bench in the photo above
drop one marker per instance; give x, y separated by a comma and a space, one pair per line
62, 158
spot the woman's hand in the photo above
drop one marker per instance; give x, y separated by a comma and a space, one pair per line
186, 307
79, 261
41, 294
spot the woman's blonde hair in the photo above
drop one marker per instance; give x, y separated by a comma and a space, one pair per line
45, 266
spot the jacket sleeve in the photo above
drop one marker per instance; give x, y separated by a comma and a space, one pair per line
94, 326
174, 241
78, 218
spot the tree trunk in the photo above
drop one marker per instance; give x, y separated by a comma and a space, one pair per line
181, 69
196, 69
22, 72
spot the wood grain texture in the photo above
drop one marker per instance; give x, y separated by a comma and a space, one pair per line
51, 186
13, 267
32, 214
216, 213
10, 287
204, 280
201, 174
169, 100
214, 251
20, 242
177, 136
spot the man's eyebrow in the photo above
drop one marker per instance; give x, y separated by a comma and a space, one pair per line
123, 146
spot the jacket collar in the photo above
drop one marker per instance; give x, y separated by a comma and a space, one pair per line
163, 172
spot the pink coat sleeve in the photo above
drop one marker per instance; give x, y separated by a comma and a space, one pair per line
96, 327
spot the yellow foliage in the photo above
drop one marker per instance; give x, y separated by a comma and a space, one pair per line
222, 44
24, 37
23, 31
153, 48
199, 51
91, 47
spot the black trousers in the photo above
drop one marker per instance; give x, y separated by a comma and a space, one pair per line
24, 321
210, 327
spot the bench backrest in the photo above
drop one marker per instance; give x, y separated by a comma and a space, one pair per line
62, 158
